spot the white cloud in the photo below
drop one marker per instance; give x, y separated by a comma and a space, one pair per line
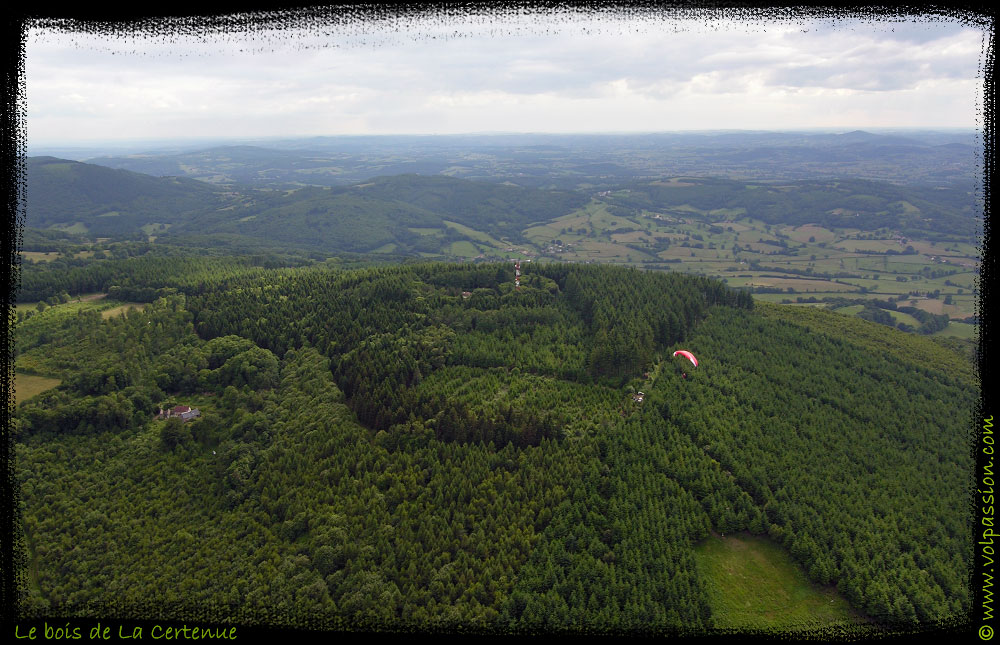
522, 75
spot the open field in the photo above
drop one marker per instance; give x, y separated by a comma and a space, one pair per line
735, 226
958, 330
609, 252
880, 246
906, 319
631, 237
474, 234
156, 227
464, 248
753, 583
75, 227
48, 256
39, 256
542, 234
809, 232
114, 311
673, 181
95, 301
29, 385
799, 285
83, 298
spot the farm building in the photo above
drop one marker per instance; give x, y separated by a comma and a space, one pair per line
183, 412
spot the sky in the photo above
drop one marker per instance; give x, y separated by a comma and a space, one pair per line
572, 73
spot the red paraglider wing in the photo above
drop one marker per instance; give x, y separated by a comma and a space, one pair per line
688, 355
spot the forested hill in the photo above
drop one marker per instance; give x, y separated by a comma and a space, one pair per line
109, 202
428, 445
385, 212
501, 210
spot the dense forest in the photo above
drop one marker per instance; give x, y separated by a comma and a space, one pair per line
430, 445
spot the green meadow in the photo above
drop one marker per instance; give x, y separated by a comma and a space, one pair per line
753, 583
29, 385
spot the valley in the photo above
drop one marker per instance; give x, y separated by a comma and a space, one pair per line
837, 244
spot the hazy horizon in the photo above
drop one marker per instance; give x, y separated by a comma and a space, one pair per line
139, 146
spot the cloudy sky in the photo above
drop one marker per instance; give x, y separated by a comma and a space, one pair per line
537, 73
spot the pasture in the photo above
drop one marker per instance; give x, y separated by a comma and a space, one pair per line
753, 584
29, 385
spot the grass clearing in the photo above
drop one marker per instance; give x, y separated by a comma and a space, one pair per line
75, 227
806, 231
154, 227
672, 182
464, 248
29, 385
752, 583
906, 319
540, 234
75, 304
958, 330
575, 220
728, 213
39, 256
472, 233
632, 237
110, 313
737, 228
591, 250
936, 306
800, 285
853, 246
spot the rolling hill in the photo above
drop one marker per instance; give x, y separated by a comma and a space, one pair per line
86, 198
98, 200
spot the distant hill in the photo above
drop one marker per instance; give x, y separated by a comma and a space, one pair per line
384, 211
266, 167
835, 204
574, 161
95, 200
496, 209
415, 214
99, 200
